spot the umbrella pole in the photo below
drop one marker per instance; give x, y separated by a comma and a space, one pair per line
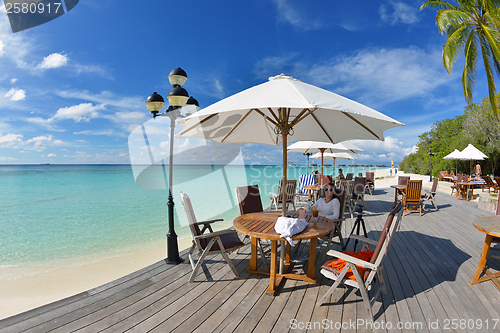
322, 151
333, 175
283, 185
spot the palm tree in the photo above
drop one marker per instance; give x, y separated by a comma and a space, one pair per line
471, 26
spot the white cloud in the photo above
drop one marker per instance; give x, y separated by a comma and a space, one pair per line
10, 140
83, 111
51, 155
295, 16
384, 75
13, 80
16, 95
106, 97
2, 45
53, 60
402, 12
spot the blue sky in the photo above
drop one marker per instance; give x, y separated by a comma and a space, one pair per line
73, 89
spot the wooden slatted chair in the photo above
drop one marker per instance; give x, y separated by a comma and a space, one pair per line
249, 201
276, 199
372, 280
431, 195
402, 180
370, 182
223, 241
358, 191
349, 176
455, 186
413, 196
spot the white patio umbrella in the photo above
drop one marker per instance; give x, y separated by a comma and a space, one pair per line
323, 147
454, 155
271, 112
334, 157
471, 153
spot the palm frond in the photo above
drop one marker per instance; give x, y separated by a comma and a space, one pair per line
451, 19
439, 5
487, 54
469, 74
454, 45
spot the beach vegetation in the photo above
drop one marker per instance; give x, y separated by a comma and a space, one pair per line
471, 27
477, 125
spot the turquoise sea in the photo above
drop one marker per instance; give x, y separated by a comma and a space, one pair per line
53, 213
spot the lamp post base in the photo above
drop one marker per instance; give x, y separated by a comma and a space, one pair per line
172, 250
172, 247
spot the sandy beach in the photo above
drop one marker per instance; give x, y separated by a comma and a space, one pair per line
25, 288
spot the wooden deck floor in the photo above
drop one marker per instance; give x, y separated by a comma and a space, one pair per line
427, 272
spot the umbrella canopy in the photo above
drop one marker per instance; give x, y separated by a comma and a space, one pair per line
335, 156
322, 147
272, 111
454, 155
471, 153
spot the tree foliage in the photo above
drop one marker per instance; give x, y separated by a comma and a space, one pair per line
478, 125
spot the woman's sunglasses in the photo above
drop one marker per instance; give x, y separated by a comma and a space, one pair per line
329, 189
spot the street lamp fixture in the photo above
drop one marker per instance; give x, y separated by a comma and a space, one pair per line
179, 99
431, 153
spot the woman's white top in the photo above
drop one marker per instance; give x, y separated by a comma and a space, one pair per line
330, 210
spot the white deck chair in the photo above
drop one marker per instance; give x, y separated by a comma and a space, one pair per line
373, 269
223, 241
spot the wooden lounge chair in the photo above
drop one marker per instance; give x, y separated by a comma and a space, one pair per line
413, 196
347, 186
489, 184
349, 176
304, 180
358, 191
431, 195
276, 199
223, 241
443, 175
372, 280
455, 186
337, 230
370, 182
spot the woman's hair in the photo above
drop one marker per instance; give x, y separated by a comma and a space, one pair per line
340, 170
329, 184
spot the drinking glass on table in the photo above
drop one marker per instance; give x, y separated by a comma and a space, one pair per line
315, 213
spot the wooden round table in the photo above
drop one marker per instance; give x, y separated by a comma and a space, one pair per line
261, 226
490, 225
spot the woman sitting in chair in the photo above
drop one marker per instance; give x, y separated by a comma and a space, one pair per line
341, 174
477, 172
328, 206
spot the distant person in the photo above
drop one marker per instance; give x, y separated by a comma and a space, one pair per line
315, 173
478, 172
395, 171
341, 174
452, 174
328, 206
390, 172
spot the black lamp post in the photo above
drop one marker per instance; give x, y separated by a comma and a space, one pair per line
307, 154
177, 97
431, 153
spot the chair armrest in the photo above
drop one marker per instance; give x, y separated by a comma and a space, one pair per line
216, 233
207, 222
364, 239
350, 259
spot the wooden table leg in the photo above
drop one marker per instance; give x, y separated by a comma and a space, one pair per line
482, 260
395, 197
312, 255
253, 257
282, 255
272, 275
